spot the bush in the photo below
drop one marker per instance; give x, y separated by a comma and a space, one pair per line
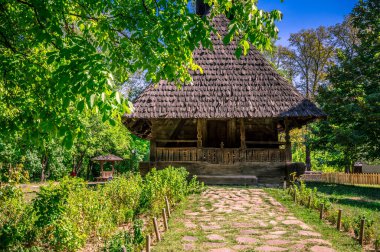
132, 241
171, 182
16, 219
124, 194
66, 215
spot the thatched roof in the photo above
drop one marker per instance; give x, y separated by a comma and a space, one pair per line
248, 87
109, 157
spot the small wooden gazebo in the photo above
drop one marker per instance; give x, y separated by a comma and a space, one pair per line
105, 175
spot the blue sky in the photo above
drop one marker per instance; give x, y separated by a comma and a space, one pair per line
304, 14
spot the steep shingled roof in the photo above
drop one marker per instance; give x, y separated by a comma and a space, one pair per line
248, 87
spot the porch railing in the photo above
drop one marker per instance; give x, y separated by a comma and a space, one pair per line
220, 155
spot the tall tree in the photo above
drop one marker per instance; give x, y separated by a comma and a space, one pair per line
306, 60
61, 58
352, 100
309, 54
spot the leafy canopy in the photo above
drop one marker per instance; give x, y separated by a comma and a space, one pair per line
61, 58
352, 100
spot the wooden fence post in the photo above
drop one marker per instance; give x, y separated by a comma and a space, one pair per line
167, 206
361, 234
309, 202
339, 221
165, 219
284, 185
147, 247
321, 207
156, 229
295, 196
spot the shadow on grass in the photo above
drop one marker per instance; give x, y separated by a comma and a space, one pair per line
351, 195
372, 193
371, 205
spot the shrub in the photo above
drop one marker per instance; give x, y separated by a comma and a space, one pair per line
16, 219
124, 193
171, 182
66, 215
132, 240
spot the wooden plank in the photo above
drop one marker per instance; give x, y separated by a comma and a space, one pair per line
175, 141
265, 142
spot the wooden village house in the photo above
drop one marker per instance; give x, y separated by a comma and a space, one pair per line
223, 127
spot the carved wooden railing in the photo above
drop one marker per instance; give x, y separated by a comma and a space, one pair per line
220, 155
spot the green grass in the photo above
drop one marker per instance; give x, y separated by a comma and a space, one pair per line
340, 240
358, 200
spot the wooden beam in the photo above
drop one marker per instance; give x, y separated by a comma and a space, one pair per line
199, 132
231, 132
204, 132
175, 141
242, 134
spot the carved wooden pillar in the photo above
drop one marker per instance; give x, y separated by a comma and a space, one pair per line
242, 134
231, 133
199, 139
242, 141
199, 133
288, 145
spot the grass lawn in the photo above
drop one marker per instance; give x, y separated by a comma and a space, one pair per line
353, 200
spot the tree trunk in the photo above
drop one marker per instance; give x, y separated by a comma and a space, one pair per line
44, 163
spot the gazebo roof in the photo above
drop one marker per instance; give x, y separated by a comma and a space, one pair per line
248, 87
109, 157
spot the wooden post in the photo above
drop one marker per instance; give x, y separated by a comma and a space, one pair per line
231, 132
284, 185
243, 146
156, 229
101, 166
242, 134
339, 221
165, 219
113, 167
199, 133
167, 206
321, 207
288, 145
361, 234
147, 245
153, 146
295, 196
309, 202
199, 138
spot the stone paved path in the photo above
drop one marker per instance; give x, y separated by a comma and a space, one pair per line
239, 219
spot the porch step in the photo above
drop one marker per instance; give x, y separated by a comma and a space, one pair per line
228, 179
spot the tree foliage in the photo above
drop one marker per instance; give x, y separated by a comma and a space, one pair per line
21, 161
62, 58
352, 99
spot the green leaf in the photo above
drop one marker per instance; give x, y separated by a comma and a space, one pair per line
117, 97
80, 106
238, 52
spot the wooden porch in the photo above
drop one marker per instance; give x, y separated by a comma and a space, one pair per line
220, 155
